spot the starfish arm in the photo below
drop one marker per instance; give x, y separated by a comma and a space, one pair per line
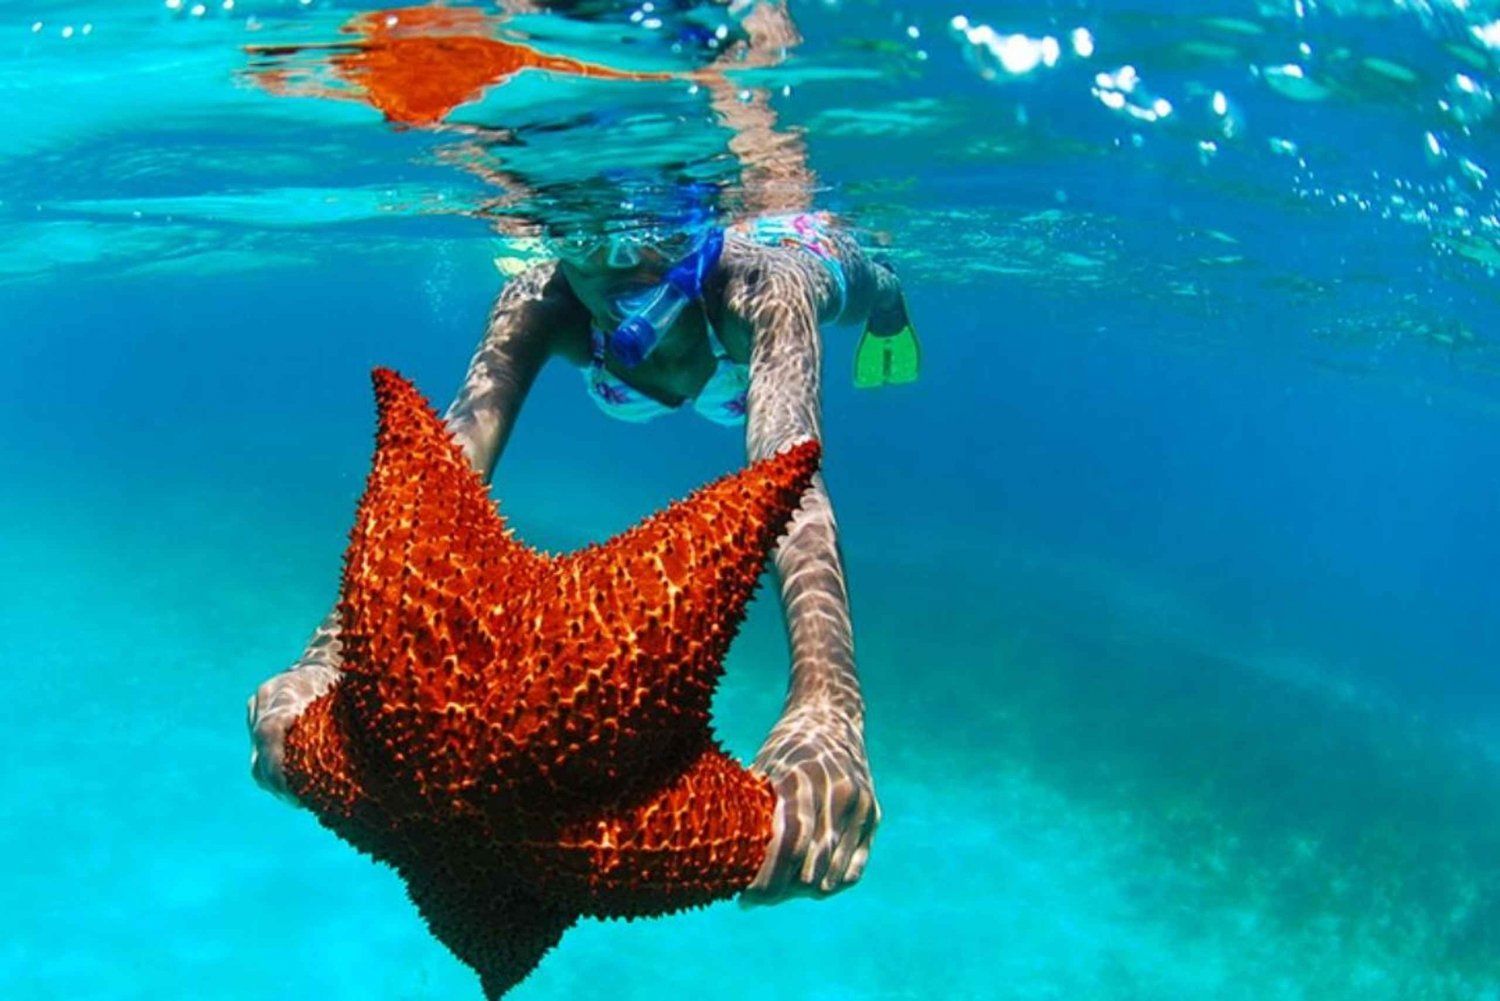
466, 889
530, 310
428, 560
475, 904
700, 837
638, 629
425, 515
317, 761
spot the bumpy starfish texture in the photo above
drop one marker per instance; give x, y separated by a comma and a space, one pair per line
525, 738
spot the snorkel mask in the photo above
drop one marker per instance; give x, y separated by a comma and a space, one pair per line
646, 316
622, 249
650, 229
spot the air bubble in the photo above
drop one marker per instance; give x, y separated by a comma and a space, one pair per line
1083, 42
1291, 80
1122, 91
1433, 147
1468, 101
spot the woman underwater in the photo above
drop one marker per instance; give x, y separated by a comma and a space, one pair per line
666, 315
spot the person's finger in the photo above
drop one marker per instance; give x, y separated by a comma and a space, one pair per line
854, 829
828, 804
841, 799
763, 878
787, 832
861, 854
815, 864
857, 864
802, 815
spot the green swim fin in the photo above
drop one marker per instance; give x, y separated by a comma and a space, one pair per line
887, 359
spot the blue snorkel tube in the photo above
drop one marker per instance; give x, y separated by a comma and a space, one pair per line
652, 314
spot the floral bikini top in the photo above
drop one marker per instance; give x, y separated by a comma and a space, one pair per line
722, 399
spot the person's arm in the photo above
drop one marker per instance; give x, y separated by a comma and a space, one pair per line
533, 314
815, 755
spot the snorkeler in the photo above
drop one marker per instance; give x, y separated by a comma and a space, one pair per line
667, 313
724, 322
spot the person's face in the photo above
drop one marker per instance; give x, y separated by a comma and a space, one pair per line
605, 269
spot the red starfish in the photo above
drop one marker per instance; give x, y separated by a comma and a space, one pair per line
416, 64
525, 738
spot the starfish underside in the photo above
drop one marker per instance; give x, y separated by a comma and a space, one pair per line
525, 738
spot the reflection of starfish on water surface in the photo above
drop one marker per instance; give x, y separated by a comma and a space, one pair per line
525, 738
416, 64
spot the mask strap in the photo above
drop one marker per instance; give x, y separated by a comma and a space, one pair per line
689, 274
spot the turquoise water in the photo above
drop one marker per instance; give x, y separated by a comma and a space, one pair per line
1173, 578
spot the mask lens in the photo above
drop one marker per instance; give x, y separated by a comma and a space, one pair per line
578, 247
624, 250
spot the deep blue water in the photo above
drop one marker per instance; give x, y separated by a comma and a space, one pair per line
1172, 578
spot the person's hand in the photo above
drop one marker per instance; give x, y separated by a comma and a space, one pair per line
270, 714
826, 813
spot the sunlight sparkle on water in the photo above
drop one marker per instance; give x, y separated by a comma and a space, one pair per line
994, 53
